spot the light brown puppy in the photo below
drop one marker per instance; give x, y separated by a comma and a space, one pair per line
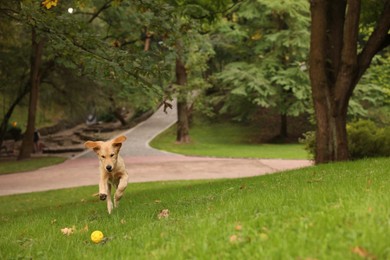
112, 169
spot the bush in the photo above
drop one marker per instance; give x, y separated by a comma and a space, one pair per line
309, 141
107, 117
365, 139
13, 132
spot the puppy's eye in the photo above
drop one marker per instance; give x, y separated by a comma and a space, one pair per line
112, 155
103, 156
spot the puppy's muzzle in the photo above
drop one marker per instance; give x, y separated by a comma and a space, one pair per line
109, 168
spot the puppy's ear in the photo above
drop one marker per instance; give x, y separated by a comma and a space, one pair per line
92, 145
117, 142
119, 139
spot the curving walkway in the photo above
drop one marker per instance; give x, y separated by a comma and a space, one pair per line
143, 164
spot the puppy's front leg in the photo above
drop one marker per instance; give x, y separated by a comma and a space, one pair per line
103, 185
109, 200
121, 188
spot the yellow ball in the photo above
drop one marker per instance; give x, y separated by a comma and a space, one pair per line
97, 236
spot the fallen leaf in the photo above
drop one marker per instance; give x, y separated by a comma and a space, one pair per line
163, 214
157, 201
54, 221
233, 238
123, 221
238, 227
362, 252
67, 231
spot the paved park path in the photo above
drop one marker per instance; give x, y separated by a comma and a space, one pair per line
143, 163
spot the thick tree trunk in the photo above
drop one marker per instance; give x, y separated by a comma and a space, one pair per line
336, 67
182, 134
35, 78
331, 135
333, 66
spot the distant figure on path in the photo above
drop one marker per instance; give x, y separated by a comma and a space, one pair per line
37, 144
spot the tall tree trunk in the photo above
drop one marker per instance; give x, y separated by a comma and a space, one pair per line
283, 126
35, 78
333, 62
183, 133
336, 68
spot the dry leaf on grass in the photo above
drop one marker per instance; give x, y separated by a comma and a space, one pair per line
233, 238
163, 214
68, 231
362, 252
238, 227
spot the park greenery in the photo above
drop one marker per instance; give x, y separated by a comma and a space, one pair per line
325, 61
334, 211
29, 165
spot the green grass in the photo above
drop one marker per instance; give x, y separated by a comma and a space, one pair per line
29, 165
322, 212
226, 140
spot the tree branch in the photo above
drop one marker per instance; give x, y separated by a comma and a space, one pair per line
104, 7
378, 40
348, 65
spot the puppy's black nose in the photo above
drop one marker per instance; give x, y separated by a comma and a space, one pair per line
109, 168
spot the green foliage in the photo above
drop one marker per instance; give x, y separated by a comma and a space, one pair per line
13, 132
266, 45
100, 51
365, 139
309, 142
372, 95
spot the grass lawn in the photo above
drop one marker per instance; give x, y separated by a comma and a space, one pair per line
226, 140
335, 211
28, 165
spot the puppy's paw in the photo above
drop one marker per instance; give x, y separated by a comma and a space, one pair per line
102, 196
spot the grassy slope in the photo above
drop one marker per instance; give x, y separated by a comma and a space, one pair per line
322, 212
226, 140
29, 165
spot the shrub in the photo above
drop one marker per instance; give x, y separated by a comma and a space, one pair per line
365, 139
13, 132
309, 141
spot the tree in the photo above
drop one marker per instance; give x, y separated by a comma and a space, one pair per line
337, 63
35, 80
75, 43
192, 51
14, 65
265, 45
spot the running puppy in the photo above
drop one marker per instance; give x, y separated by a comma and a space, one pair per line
112, 169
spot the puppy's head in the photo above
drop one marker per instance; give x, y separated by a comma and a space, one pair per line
107, 151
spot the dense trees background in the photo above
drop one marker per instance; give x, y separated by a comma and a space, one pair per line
232, 57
